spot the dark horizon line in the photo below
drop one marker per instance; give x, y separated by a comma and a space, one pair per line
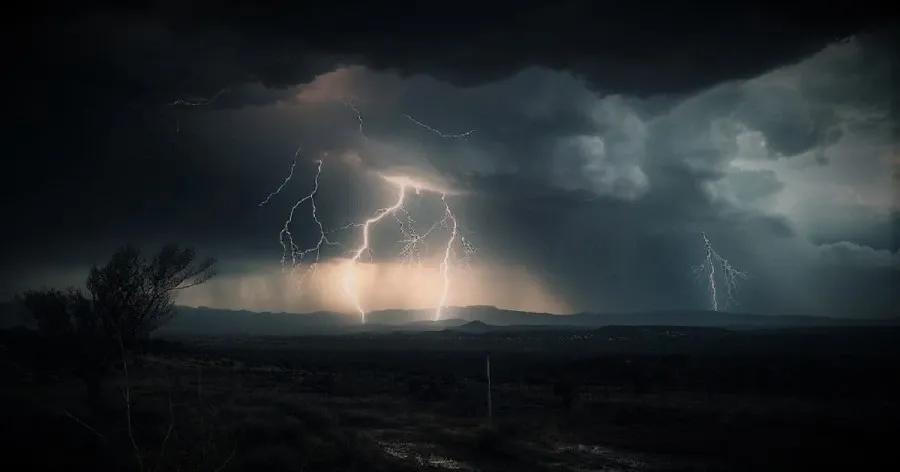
581, 313
536, 313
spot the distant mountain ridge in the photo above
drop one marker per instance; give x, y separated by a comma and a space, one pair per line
207, 320
212, 321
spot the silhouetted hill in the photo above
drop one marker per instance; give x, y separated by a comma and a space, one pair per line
474, 327
431, 325
211, 321
214, 321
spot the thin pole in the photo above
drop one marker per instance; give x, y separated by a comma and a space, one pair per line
488, 365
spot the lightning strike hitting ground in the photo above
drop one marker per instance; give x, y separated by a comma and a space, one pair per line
729, 275
350, 288
414, 242
445, 264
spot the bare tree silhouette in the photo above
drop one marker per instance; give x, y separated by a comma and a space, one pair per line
126, 300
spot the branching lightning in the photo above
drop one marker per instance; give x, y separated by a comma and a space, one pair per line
413, 242
350, 102
350, 288
290, 250
728, 274
445, 264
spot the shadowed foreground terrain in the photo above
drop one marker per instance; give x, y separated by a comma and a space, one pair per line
610, 399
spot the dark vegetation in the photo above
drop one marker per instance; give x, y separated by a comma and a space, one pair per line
769, 400
92, 390
127, 299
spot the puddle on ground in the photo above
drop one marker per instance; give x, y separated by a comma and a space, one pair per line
421, 454
608, 459
404, 445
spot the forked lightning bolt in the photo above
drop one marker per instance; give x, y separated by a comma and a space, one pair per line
350, 288
350, 102
414, 242
445, 264
410, 251
289, 247
729, 275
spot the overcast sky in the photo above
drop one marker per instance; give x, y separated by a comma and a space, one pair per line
597, 156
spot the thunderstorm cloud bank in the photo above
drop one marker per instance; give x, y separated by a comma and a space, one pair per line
579, 195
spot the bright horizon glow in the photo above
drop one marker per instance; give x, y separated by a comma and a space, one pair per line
382, 285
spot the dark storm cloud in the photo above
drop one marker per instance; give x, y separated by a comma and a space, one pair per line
153, 53
603, 194
790, 128
754, 185
872, 231
794, 123
604, 251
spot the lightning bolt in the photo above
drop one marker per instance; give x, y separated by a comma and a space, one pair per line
469, 250
414, 243
412, 240
350, 288
709, 263
285, 182
437, 132
445, 264
351, 104
290, 250
197, 101
189, 102
729, 275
